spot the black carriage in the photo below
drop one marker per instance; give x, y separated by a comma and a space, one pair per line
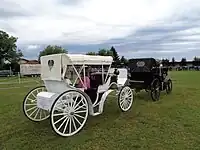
150, 75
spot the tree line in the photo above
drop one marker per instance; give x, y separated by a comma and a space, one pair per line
118, 61
54, 49
183, 62
11, 54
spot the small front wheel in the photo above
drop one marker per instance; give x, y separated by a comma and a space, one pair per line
125, 98
30, 108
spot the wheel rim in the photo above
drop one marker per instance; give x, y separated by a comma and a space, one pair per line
169, 86
126, 98
69, 113
30, 106
155, 91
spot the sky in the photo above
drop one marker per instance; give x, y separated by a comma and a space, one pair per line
142, 28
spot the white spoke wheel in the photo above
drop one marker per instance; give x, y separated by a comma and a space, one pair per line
125, 98
30, 108
69, 113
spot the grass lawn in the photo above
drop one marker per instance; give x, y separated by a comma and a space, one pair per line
171, 123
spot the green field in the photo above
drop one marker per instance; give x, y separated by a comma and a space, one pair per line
171, 123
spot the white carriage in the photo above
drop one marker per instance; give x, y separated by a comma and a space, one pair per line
67, 105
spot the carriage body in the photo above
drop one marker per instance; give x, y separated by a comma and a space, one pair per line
144, 73
62, 97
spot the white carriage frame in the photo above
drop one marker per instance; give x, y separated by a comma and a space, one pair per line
54, 80
53, 71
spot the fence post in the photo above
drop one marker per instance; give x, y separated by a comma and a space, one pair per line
19, 79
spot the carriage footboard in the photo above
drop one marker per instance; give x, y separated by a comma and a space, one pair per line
45, 100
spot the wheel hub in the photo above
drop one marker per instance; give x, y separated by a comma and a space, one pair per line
70, 112
127, 97
32, 101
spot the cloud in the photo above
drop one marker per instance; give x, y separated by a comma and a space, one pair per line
33, 46
136, 28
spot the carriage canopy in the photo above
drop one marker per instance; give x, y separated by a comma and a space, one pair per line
52, 65
142, 64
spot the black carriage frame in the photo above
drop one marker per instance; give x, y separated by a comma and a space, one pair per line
149, 74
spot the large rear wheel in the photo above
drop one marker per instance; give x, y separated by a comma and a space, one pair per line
69, 113
169, 86
155, 90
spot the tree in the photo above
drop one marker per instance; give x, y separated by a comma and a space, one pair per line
115, 56
196, 61
109, 53
196, 58
165, 62
123, 60
183, 62
52, 49
101, 52
91, 53
8, 49
173, 61
104, 52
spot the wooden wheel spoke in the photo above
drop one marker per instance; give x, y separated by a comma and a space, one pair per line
33, 95
70, 126
82, 106
79, 116
78, 103
60, 119
63, 123
66, 125
44, 112
77, 120
31, 108
30, 104
59, 114
37, 113
74, 123
34, 112
30, 99
40, 114
75, 101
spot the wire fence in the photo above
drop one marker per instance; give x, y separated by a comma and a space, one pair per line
19, 82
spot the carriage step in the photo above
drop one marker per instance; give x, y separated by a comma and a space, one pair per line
96, 114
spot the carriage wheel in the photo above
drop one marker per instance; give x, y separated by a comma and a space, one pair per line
69, 113
169, 86
30, 108
155, 90
125, 98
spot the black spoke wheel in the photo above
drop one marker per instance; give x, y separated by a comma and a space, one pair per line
169, 86
155, 90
